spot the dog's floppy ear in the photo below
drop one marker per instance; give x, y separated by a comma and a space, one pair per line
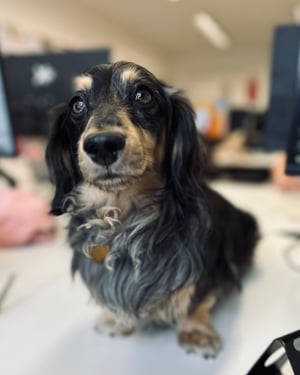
184, 157
61, 159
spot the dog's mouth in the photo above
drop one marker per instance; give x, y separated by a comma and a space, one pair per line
114, 181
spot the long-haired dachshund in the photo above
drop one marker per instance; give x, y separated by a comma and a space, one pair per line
152, 242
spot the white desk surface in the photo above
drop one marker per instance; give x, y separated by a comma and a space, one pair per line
46, 326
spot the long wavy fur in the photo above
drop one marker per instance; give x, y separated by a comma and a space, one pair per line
174, 237
157, 250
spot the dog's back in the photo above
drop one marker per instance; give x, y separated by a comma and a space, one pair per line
230, 249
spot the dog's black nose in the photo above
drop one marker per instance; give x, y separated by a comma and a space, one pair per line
104, 148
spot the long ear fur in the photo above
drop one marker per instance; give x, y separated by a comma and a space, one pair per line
177, 235
62, 160
184, 158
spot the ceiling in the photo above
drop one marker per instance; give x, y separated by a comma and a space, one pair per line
167, 26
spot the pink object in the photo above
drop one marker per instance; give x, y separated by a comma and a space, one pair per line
24, 218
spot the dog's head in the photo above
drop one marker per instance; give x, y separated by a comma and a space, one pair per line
122, 125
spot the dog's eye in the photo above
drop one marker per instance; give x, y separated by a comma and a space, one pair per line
78, 106
143, 96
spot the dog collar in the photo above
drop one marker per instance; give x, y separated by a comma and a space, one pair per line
98, 253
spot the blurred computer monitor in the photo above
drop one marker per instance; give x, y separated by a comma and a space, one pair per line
283, 100
283, 120
251, 123
36, 83
7, 141
293, 141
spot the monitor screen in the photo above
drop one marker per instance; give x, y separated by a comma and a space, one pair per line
293, 141
36, 83
7, 142
283, 95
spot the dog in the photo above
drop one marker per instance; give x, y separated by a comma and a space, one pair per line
152, 242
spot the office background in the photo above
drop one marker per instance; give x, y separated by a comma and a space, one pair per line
46, 321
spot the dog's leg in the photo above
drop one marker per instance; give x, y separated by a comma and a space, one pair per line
109, 323
197, 334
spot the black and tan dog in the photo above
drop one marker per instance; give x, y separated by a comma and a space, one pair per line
151, 241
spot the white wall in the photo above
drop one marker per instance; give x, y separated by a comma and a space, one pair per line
70, 25
222, 73
204, 77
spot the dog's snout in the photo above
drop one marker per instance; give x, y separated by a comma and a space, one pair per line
104, 148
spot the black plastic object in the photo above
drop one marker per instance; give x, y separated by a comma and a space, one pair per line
291, 345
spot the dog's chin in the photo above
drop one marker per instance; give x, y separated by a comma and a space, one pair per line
114, 182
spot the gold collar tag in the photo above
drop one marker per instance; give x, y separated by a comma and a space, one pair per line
98, 253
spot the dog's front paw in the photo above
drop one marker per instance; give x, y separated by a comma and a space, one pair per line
109, 324
199, 341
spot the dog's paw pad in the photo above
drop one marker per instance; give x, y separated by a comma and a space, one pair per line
207, 344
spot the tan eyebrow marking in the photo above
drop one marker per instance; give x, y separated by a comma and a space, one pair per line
129, 75
82, 82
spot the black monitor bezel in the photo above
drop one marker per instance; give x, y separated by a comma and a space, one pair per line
13, 135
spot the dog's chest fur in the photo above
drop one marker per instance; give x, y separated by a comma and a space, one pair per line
143, 271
